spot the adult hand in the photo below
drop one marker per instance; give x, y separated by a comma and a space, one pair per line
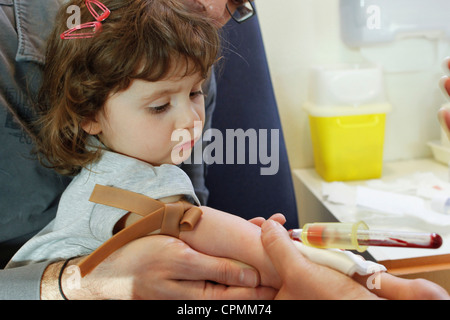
444, 113
161, 267
278, 217
301, 278
445, 80
396, 288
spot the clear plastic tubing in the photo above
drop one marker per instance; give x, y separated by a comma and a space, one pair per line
357, 236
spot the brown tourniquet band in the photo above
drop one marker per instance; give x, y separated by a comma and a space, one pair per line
169, 219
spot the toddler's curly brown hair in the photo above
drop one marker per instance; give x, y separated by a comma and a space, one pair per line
141, 39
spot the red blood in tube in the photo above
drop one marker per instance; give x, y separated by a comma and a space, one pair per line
435, 242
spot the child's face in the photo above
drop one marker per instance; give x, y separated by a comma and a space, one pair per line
142, 120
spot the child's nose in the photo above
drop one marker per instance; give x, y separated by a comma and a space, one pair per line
187, 117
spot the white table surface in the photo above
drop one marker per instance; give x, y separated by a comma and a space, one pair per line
391, 172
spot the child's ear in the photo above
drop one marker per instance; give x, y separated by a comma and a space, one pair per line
91, 126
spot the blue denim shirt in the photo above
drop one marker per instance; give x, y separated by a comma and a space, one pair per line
29, 193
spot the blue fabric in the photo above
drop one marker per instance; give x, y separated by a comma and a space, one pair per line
245, 99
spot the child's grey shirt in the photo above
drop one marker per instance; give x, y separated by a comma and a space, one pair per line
81, 226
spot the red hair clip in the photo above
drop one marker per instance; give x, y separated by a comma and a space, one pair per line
89, 29
104, 13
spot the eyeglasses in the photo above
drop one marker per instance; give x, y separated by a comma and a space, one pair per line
244, 12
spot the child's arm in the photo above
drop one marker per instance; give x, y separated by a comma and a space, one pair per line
225, 235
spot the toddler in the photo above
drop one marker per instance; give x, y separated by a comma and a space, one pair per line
116, 97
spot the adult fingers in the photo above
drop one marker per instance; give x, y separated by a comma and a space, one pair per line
257, 221
444, 119
278, 246
279, 217
301, 278
444, 84
221, 270
205, 290
396, 288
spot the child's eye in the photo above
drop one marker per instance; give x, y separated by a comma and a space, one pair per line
159, 109
196, 94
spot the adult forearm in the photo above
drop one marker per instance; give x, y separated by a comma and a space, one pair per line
72, 285
49, 282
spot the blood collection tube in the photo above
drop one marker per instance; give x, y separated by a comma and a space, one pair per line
333, 235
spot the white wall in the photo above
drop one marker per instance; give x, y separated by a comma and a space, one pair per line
299, 34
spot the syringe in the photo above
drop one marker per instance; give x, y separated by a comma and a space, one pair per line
357, 236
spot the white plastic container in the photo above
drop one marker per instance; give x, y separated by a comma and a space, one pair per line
346, 85
347, 110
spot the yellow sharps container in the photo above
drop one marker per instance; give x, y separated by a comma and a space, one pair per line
347, 109
347, 141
